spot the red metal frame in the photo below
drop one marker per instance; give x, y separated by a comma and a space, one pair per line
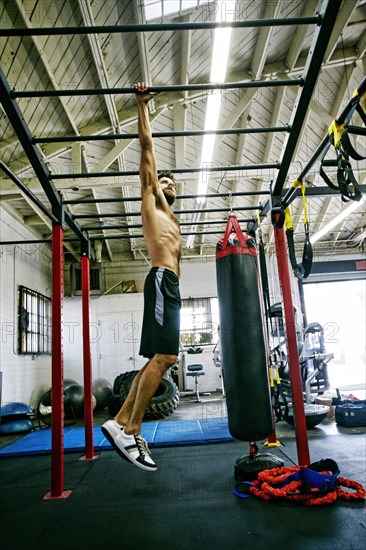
88, 397
294, 363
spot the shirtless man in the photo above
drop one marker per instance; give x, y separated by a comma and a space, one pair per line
160, 329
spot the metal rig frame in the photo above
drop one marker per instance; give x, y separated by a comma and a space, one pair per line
61, 215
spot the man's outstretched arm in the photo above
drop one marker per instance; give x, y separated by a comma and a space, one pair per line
148, 169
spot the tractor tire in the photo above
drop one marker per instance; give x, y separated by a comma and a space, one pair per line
164, 402
121, 380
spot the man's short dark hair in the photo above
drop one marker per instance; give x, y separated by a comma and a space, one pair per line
166, 174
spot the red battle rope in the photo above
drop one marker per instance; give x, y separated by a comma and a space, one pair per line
274, 484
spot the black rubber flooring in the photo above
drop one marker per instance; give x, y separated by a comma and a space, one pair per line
187, 504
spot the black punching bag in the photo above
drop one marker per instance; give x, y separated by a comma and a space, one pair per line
243, 349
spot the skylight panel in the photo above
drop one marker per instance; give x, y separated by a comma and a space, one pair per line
158, 9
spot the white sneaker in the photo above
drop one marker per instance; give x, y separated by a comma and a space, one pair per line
133, 448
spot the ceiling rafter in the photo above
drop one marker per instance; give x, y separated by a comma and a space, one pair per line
256, 70
52, 79
184, 65
320, 219
298, 39
180, 108
343, 17
241, 138
94, 44
291, 59
264, 36
43, 58
143, 50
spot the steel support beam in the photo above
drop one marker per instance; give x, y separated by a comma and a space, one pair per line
26, 191
21, 129
312, 68
162, 27
15, 116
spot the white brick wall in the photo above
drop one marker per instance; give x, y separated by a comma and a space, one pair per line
24, 377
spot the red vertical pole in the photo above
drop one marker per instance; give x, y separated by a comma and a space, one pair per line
57, 454
88, 406
57, 365
57, 422
294, 363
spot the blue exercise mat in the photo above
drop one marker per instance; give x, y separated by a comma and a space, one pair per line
157, 434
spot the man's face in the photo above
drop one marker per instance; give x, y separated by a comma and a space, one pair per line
168, 188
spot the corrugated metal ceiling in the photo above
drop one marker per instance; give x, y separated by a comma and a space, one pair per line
172, 58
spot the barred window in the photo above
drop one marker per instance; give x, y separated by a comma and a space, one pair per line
199, 321
34, 322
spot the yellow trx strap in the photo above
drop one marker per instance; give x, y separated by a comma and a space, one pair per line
305, 203
300, 270
278, 379
336, 130
259, 220
288, 219
271, 379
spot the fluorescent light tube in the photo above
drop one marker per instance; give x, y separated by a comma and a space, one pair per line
335, 221
220, 56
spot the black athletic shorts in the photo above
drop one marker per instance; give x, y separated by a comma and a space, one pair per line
161, 321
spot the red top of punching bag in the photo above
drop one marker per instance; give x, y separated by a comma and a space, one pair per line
234, 240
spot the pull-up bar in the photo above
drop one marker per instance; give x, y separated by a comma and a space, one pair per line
176, 212
139, 225
177, 88
189, 133
162, 27
136, 199
92, 175
141, 235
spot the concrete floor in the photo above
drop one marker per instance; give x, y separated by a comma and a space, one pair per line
188, 504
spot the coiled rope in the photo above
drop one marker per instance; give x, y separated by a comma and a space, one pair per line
274, 484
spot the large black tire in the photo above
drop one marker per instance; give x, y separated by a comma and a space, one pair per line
121, 380
114, 405
164, 402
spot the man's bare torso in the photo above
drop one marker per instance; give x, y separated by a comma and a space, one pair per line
162, 237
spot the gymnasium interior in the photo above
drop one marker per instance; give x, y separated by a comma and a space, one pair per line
259, 428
